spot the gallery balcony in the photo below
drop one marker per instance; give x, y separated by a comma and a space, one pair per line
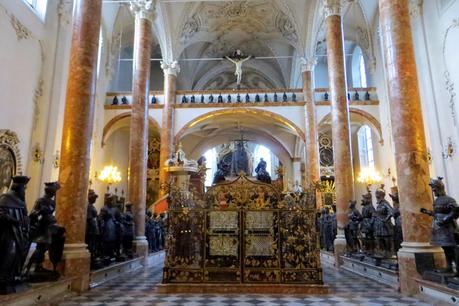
242, 98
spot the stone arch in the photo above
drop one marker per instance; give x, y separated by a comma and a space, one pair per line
299, 132
117, 118
371, 120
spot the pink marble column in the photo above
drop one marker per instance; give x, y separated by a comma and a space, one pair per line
167, 127
312, 168
76, 140
409, 139
342, 152
138, 148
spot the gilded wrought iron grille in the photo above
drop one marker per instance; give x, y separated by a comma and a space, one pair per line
242, 232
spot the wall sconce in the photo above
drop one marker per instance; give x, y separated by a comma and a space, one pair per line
37, 154
450, 149
57, 159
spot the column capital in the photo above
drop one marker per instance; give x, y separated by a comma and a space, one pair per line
308, 63
143, 9
172, 68
332, 8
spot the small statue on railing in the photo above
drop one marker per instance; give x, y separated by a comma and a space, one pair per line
382, 224
445, 212
14, 234
47, 235
124, 100
262, 174
220, 98
184, 100
352, 228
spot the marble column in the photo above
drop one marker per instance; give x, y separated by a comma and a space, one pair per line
409, 138
167, 127
342, 153
76, 140
138, 147
311, 134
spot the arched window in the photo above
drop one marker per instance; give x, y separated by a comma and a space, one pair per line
359, 75
39, 6
365, 141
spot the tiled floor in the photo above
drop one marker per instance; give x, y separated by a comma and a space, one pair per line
136, 289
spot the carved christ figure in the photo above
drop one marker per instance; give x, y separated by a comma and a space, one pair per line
238, 61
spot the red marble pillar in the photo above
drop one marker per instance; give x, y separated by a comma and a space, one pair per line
138, 148
342, 153
312, 148
76, 140
167, 128
409, 139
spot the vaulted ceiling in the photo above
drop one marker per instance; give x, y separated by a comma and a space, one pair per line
276, 32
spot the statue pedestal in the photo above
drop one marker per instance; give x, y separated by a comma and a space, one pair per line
76, 264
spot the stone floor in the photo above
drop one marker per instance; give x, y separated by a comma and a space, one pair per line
136, 289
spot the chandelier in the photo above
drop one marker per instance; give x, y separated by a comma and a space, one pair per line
369, 176
110, 175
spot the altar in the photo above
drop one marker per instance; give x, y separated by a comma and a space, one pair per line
240, 234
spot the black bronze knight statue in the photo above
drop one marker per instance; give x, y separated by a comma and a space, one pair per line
47, 235
14, 234
444, 229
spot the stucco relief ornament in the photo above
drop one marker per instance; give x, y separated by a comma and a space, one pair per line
64, 12
286, 27
191, 26
172, 68
332, 8
308, 63
144, 9
22, 32
415, 8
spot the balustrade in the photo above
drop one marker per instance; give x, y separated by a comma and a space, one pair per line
276, 96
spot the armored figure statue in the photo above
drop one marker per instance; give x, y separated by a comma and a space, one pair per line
92, 227
43, 231
352, 228
444, 229
150, 232
382, 223
366, 227
219, 174
108, 229
14, 234
327, 230
128, 231
398, 234
119, 226
262, 174
162, 227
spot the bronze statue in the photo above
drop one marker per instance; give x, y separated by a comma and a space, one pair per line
327, 230
128, 231
445, 212
352, 228
44, 231
398, 234
14, 234
382, 223
92, 227
108, 229
366, 227
220, 173
240, 159
262, 174
150, 231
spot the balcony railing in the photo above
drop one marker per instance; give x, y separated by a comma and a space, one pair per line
265, 97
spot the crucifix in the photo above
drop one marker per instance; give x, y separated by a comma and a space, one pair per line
238, 59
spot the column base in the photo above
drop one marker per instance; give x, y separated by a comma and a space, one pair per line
76, 262
141, 248
339, 249
407, 264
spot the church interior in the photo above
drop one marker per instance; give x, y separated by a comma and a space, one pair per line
215, 152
